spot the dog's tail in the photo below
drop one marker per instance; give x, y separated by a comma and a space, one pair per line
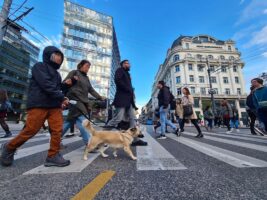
87, 124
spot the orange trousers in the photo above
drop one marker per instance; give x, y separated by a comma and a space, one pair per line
35, 120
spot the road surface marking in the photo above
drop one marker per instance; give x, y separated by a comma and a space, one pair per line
230, 157
21, 153
155, 157
233, 142
91, 190
77, 163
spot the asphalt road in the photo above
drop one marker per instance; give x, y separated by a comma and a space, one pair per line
219, 166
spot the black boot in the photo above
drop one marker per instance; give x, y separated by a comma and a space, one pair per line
199, 135
8, 134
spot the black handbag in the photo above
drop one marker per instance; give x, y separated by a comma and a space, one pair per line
188, 110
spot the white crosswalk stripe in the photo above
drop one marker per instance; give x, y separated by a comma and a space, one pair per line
3, 140
155, 157
21, 153
255, 139
230, 157
233, 142
77, 164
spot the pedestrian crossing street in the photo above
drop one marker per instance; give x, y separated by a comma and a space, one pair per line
155, 156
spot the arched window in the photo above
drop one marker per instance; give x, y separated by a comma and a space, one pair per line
231, 57
199, 56
222, 57
210, 57
176, 58
229, 48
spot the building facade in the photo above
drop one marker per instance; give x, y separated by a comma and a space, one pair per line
187, 63
90, 35
17, 56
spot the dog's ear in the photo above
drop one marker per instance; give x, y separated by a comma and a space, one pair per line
133, 129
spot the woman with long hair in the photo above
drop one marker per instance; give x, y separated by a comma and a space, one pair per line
189, 112
208, 117
5, 106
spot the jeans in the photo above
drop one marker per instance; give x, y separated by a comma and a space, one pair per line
86, 135
234, 123
163, 120
210, 121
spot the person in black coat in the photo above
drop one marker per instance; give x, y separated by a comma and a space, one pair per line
124, 100
164, 98
45, 102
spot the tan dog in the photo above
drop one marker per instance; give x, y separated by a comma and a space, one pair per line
115, 139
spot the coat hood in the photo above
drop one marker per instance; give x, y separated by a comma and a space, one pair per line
48, 51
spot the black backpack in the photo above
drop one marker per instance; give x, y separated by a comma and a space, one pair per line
172, 102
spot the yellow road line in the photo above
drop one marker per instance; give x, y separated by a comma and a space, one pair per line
90, 191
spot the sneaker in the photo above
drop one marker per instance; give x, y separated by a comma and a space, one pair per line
7, 135
177, 132
70, 135
237, 130
161, 137
231, 130
182, 130
6, 157
139, 143
200, 135
57, 161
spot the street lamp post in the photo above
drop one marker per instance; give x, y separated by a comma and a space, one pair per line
211, 91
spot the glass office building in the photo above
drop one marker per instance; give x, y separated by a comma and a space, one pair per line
90, 35
17, 56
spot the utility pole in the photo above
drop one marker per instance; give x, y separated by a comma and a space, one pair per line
3, 18
211, 91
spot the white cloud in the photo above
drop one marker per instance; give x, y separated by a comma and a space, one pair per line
254, 9
264, 54
258, 38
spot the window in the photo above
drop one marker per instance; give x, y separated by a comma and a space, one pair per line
193, 90
212, 68
231, 58
190, 67
187, 45
215, 90
189, 55
201, 79
178, 79
227, 91
199, 56
203, 90
222, 57
236, 79
239, 91
224, 69
235, 68
210, 57
179, 91
191, 78
200, 68
213, 79
229, 48
176, 58
225, 80
177, 68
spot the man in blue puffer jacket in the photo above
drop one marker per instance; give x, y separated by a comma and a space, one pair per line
260, 100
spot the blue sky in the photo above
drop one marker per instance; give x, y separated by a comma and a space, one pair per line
147, 28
